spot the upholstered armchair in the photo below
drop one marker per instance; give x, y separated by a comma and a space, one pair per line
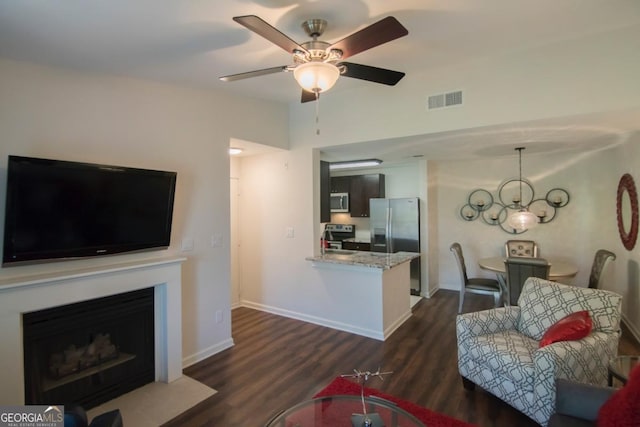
498, 349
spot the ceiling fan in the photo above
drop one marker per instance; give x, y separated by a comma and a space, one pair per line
318, 64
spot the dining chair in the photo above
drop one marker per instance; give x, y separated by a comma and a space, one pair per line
476, 285
600, 261
518, 270
521, 248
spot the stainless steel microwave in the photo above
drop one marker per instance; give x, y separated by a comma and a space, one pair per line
339, 202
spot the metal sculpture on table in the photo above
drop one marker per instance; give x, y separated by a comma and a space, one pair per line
364, 419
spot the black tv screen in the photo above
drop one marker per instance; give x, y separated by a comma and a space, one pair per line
59, 209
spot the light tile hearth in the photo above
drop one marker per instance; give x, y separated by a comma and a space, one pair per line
156, 403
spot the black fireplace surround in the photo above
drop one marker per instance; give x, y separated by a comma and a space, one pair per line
89, 352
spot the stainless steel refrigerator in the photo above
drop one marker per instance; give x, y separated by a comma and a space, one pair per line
395, 227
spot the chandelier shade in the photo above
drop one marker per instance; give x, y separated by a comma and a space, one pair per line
522, 220
316, 76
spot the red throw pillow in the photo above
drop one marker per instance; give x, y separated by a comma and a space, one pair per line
572, 327
623, 408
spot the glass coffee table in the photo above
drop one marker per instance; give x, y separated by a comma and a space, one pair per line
344, 411
620, 367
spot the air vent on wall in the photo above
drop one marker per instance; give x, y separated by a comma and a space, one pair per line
445, 100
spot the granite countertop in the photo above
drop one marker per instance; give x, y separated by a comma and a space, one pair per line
358, 240
364, 258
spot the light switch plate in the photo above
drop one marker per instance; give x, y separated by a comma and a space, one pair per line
289, 233
187, 244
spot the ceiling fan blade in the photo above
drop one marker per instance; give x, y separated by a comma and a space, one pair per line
262, 28
381, 32
308, 96
372, 74
256, 73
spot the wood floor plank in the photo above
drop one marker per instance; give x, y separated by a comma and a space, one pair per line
277, 362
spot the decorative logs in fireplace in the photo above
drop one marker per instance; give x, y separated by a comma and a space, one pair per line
90, 352
74, 359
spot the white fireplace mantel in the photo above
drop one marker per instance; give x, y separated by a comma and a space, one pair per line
24, 294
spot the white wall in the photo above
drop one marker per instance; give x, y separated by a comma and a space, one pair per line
62, 114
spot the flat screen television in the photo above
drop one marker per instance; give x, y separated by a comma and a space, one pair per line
64, 210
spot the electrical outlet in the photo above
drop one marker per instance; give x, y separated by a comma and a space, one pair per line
289, 233
219, 317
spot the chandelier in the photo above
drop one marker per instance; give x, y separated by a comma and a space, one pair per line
523, 218
515, 209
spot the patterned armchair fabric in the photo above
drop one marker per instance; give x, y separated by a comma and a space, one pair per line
498, 348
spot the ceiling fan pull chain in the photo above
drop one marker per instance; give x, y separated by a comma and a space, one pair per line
317, 113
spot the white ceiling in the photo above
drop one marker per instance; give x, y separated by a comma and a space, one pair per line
195, 42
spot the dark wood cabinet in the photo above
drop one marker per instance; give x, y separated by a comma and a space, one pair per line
361, 189
325, 196
356, 246
340, 184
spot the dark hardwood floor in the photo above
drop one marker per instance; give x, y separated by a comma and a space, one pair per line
277, 362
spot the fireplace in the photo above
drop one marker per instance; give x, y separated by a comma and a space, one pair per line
89, 352
24, 294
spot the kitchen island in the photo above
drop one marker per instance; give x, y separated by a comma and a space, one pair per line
369, 291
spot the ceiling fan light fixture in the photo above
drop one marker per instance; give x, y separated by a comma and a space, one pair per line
316, 76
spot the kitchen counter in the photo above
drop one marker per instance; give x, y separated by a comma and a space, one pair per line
358, 240
370, 291
363, 258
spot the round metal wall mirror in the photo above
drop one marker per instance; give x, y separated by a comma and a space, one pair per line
627, 211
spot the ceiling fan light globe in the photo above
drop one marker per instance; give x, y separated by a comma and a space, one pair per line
522, 220
316, 76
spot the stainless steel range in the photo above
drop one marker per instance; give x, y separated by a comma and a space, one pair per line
336, 233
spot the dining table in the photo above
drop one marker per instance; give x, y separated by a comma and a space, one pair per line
561, 268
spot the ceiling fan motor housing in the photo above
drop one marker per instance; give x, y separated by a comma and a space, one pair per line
314, 27
317, 51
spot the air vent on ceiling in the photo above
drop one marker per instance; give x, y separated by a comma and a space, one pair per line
445, 100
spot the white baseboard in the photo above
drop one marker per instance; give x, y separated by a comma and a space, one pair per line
395, 325
207, 352
318, 320
428, 293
